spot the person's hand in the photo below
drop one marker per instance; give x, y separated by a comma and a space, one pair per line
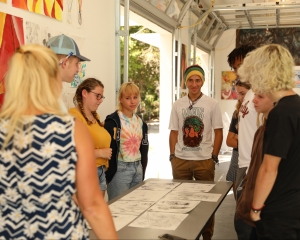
236, 137
255, 216
107, 153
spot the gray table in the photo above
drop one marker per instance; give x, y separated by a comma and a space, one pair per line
193, 224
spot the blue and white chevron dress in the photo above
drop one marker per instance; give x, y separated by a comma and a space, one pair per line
37, 181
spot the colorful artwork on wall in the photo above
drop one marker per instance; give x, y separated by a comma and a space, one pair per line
80, 75
11, 37
297, 79
3, 1
228, 90
50, 8
74, 15
287, 37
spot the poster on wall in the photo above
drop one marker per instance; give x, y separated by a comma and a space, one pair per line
3, 1
36, 34
50, 8
297, 79
80, 75
11, 37
287, 37
74, 13
228, 90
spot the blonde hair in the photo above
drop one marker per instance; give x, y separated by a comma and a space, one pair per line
269, 68
127, 88
89, 85
31, 84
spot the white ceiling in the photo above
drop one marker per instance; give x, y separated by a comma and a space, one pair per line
224, 15
207, 3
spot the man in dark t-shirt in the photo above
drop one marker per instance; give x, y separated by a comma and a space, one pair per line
281, 140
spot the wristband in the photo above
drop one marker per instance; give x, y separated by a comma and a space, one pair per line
256, 210
215, 159
171, 156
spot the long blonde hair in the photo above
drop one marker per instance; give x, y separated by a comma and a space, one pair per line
32, 85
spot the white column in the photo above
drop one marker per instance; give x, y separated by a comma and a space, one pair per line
165, 92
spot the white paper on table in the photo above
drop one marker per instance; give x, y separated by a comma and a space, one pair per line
201, 187
193, 196
173, 206
129, 207
158, 186
142, 195
121, 221
157, 220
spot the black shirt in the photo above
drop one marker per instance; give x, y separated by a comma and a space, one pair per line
234, 125
282, 139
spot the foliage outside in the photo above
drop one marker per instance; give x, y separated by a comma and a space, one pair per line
143, 70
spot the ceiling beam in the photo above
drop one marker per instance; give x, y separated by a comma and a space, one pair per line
277, 17
249, 7
249, 18
208, 28
237, 26
183, 11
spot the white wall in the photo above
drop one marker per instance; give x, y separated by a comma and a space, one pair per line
97, 38
225, 45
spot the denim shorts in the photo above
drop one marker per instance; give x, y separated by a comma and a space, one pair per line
102, 178
127, 176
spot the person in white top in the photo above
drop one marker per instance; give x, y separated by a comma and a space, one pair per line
247, 126
194, 119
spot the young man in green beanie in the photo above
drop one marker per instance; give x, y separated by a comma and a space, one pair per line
193, 152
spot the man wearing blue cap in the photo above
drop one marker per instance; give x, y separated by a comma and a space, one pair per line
193, 152
68, 54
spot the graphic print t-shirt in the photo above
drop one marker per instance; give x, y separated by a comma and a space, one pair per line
195, 127
130, 138
247, 129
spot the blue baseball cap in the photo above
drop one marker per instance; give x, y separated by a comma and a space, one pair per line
63, 44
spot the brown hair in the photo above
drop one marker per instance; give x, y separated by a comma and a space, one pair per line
89, 85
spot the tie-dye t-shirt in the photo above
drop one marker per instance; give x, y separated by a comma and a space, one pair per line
130, 138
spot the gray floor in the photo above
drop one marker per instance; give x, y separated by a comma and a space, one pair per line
224, 228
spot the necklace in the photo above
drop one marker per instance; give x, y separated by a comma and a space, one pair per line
192, 103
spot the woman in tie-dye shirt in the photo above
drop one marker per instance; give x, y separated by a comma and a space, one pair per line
129, 143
